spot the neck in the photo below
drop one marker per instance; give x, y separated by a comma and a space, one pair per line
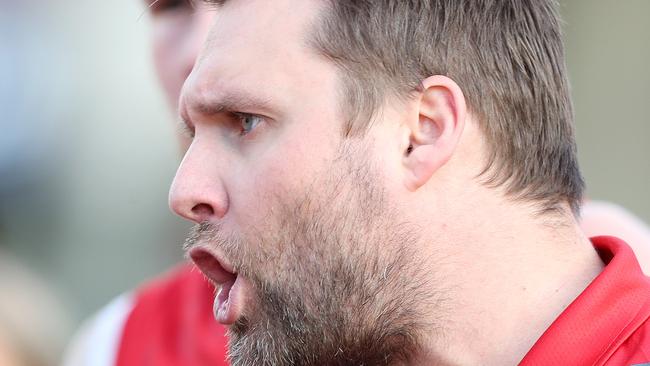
512, 274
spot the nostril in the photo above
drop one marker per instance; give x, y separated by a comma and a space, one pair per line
203, 211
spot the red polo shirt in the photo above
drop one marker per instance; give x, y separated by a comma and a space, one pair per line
172, 324
608, 323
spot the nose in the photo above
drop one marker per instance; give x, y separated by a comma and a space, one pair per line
197, 192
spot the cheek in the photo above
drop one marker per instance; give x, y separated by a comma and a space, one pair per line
271, 183
165, 72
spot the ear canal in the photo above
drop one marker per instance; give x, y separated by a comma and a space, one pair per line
409, 150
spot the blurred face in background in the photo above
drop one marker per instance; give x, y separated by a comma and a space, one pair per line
179, 29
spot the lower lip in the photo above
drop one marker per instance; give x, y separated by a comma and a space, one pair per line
228, 302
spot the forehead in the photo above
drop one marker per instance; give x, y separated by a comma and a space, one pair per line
259, 46
263, 19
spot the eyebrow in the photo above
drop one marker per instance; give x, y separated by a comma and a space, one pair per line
229, 102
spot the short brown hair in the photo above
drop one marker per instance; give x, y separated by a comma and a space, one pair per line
506, 55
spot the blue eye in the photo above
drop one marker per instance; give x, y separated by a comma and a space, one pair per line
248, 122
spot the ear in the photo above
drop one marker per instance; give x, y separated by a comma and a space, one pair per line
435, 131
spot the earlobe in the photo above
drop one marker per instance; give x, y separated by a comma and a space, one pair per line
436, 131
420, 166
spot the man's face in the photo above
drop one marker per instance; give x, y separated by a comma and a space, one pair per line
298, 225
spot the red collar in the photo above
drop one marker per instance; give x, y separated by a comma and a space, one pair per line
607, 312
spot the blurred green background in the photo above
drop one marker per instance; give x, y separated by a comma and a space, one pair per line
88, 150
608, 52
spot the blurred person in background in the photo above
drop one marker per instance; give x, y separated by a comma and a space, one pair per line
33, 323
170, 321
606, 218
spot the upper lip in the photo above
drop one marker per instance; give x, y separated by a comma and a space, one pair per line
213, 264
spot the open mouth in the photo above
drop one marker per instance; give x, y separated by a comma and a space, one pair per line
229, 300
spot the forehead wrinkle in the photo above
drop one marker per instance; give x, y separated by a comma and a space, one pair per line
256, 58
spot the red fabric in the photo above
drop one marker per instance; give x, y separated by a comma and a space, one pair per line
608, 323
172, 324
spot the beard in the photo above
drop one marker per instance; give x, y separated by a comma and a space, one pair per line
335, 275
